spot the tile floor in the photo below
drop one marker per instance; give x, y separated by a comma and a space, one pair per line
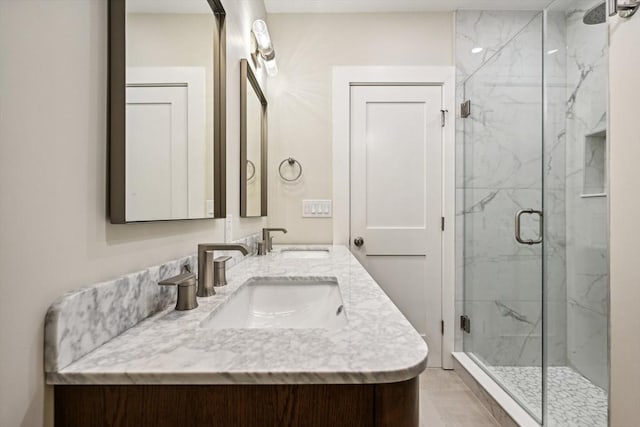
445, 401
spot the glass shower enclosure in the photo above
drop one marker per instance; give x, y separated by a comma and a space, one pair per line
532, 206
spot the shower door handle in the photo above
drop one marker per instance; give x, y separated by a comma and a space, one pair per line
519, 238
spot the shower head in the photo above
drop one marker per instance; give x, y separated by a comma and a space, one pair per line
596, 15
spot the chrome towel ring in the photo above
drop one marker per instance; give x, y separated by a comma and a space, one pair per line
253, 170
291, 161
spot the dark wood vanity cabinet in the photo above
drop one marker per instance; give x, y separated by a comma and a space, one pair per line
304, 405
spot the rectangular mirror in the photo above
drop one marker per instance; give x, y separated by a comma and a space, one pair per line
253, 145
167, 110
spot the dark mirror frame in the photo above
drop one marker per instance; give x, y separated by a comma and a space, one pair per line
117, 112
247, 76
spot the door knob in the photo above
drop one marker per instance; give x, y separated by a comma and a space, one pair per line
358, 241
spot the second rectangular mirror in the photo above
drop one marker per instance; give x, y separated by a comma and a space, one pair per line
253, 145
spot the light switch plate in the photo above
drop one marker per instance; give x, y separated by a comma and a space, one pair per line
316, 209
228, 228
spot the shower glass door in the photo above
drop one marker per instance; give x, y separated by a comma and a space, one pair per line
536, 140
503, 286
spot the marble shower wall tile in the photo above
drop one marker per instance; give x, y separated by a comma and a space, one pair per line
505, 332
587, 224
84, 319
586, 342
553, 194
490, 30
555, 274
502, 137
496, 266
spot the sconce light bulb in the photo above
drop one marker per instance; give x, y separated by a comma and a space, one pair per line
265, 48
262, 35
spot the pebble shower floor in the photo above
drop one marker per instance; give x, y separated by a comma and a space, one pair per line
573, 400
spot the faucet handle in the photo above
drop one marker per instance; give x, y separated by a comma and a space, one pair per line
220, 270
186, 283
262, 247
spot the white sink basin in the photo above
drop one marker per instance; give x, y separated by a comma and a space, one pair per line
304, 253
281, 302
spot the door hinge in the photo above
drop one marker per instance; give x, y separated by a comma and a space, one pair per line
465, 323
442, 223
442, 327
443, 119
465, 109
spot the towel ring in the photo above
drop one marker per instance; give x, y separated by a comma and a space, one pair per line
291, 161
253, 170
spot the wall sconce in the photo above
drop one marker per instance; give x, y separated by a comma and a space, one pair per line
624, 8
263, 47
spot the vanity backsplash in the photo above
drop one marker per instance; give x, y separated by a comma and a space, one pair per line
84, 319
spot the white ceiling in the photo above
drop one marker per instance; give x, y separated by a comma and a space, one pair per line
358, 6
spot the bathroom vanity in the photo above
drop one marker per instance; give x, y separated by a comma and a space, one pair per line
261, 352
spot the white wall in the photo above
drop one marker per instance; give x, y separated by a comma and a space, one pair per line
54, 235
624, 68
307, 47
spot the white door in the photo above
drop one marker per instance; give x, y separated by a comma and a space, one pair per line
166, 110
396, 199
157, 153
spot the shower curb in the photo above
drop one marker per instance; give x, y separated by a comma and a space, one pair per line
500, 405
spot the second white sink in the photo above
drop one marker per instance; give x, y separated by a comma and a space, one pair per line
281, 302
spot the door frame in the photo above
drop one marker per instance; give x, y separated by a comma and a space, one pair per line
444, 76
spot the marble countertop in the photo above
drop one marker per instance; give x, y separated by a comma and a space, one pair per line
377, 346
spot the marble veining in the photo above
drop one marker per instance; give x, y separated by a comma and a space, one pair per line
84, 319
489, 30
170, 347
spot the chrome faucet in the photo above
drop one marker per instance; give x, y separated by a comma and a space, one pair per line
267, 239
206, 277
